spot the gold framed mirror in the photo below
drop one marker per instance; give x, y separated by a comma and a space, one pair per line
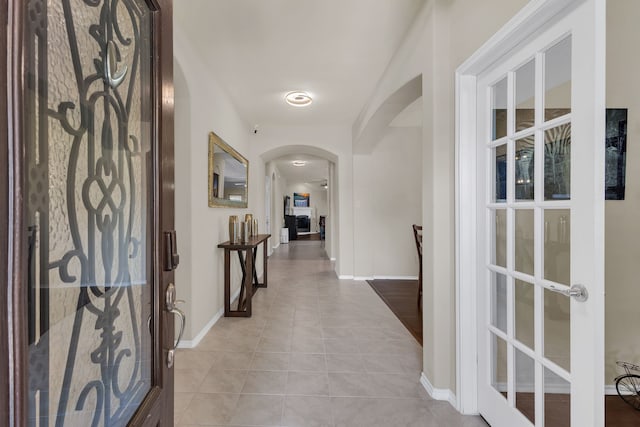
228, 175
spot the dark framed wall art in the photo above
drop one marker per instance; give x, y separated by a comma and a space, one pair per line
616, 153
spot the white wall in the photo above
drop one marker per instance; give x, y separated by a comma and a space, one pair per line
203, 106
622, 228
278, 190
387, 201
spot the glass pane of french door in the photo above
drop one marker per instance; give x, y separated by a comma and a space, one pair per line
88, 114
529, 156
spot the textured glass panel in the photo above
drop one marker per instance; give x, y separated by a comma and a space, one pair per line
557, 329
525, 95
499, 301
557, 245
500, 176
557, 80
557, 400
525, 385
499, 365
525, 168
499, 109
88, 128
557, 163
524, 312
499, 255
524, 248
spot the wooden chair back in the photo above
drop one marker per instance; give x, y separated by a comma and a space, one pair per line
417, 233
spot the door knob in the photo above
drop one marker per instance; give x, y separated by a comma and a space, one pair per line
578, 292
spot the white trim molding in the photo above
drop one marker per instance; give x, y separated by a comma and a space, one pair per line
346, 277
438, 393
365, 278
395, 278
196, 340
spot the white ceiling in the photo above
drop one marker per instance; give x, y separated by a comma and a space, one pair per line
258, 50
316, 171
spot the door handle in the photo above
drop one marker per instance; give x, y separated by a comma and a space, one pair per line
578, 292
170, 305
171, 355
114, 79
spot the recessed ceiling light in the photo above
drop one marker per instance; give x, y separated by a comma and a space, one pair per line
298, 98
299, 163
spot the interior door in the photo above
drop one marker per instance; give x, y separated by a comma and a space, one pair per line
541, 323
92, 212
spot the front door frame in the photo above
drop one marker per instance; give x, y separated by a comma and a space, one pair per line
13, 309
533, 18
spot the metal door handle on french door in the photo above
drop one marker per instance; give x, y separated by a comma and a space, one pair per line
579, 292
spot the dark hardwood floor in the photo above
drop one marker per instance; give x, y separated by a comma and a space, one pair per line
402, 298
617, 413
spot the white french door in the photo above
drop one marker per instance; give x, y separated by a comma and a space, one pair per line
540, 210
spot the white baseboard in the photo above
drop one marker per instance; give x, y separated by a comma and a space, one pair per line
332, 259
395, 277
438, 393
365, 278
345, 277
609, 389
196, 340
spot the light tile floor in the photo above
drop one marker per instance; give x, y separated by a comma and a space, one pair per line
318, 351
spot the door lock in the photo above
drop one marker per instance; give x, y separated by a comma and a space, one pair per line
171, 257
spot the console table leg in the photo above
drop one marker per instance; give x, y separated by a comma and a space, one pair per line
227, 282
264, 262
255, 273
242, 287
249, 276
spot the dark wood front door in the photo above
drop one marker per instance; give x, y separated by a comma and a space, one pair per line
86, 180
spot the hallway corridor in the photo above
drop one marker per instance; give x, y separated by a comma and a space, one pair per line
317, 352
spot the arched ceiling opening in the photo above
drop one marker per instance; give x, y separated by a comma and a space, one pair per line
368, 138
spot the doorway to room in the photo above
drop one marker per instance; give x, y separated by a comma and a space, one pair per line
303, 197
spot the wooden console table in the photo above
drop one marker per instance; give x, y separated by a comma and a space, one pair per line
249, 275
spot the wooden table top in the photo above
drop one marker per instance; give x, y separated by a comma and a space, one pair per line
250, 244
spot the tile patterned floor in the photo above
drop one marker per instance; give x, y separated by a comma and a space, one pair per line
317, 352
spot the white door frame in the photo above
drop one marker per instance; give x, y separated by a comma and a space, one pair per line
532, 19
267, 211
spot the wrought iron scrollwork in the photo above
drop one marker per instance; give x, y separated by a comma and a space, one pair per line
100, 206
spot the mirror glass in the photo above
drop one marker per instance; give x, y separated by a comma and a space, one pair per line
228, 175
